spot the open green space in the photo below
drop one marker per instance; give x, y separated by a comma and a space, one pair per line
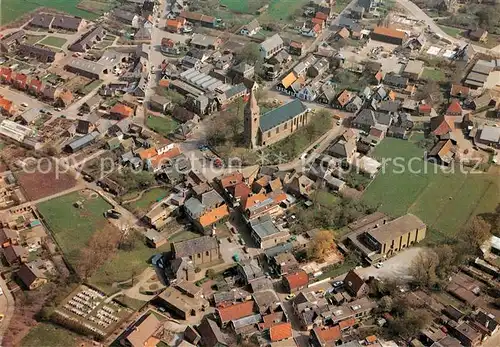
433, 74
244, 6
148, 198
340, 5
443, 199
163, 125
12, 10
53, 41
282, 10
124, 265
46, 334
452, 31
71, 226
182, 236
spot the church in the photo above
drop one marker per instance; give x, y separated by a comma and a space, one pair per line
275, 125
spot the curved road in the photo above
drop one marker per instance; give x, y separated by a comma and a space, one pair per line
6, 308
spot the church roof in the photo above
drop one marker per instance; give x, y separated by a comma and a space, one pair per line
273, 118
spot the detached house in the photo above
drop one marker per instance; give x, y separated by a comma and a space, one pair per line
251, 28
271, 46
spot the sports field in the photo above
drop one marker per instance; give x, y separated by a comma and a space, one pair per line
71, 226
443, 200
11, 10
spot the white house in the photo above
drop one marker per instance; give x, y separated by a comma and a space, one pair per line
251, 28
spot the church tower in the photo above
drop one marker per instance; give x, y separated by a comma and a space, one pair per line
252, 121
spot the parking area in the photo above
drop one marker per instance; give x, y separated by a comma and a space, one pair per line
21, 98
375, 51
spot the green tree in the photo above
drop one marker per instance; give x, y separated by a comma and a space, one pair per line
250, 53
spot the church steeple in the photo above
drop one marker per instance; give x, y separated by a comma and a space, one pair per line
252, 120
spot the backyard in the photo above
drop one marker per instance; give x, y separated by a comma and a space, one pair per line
53, 41
452, 31
71, 226
147, 199
163, 125
433, 74
428, 191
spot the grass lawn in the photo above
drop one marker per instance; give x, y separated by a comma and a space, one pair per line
337, 270
281, 10
72, 227
123, 265
243, 6
14, 9
454, 32
32, 39
46, 334
148, 198
443, 200
162, 125
325, 199
340, 5
433, 74
53, 41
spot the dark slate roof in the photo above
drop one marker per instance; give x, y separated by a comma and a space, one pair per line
281, 114
281, 248
211, 333
372, 118
235, 90
43, 20
389, 106
194, 246
67, 22
395, 80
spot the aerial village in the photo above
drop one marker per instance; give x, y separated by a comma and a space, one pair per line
217, 174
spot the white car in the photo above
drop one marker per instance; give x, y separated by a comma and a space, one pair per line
379, 265
24, 104
1, 291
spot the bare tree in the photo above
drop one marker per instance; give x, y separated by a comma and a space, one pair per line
322, 245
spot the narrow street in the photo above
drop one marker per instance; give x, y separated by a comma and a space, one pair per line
7, 307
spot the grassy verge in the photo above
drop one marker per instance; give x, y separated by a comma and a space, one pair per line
433, 75
454, 32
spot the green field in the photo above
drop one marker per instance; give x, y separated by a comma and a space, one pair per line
46, 334
72, 227
12, 10
244, 6
325, 199
162, 125
147, 199
444, 201
433, 75
53, 41
454, 32
282, 10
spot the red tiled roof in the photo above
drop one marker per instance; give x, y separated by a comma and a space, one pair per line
280, 331
454, 108
440, 126
424, 108
241, 190
163, 158
174, 23
330, 334
376, 132
214, 215
21, 78
5, 104
318, 21
297, 280
164, 83
317, 28
236, 311
6, 73
459, 90
231, 179
389, 32
253, 199
321, 15
148, 153
347, 323
123, 110
36, 84
296, 44
344, 97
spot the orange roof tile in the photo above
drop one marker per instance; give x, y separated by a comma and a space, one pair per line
454, 108
280, 331
371, 339
424, 108
236, 311
279, 197
297, 280
5, 104
321, 15
148, 153
214, 215
392, 95
317, 28
347, 323
174, 23
459, 90
389, 32
325, 335
344, 97
164, 83
241, 190
253, 199
122, 110
288, 80
231, 179
164, 158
